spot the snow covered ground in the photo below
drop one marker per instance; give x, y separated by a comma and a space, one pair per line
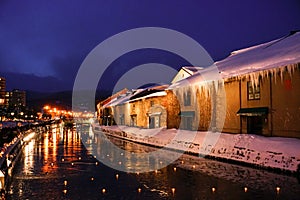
267, 152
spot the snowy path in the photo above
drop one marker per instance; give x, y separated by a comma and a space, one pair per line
267, 152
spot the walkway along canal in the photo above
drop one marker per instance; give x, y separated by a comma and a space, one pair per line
58, 166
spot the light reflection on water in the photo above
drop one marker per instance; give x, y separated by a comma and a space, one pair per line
28, 157
36, 178
261, 182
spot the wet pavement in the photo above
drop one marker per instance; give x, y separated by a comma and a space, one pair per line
56, 165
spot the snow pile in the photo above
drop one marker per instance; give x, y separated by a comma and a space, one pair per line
277, 153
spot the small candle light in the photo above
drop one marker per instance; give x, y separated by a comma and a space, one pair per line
65, 182
174, 169
245, 189
277, 189
103, 190
65, 191
213, 189
117, 176
173, 191
139, 190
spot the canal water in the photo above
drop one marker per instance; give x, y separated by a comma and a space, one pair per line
56, 165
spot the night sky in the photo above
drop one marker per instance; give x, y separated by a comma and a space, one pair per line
48, 40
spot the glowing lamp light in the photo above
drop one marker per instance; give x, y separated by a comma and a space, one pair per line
194, 166
117, 176
96, 163
62, 159
139, 190
277, 189
72, 164
156, 171
245, 189
174, 169
65, 191
92, 179
103, 191
79, 158
213, 189
65, 182
173, 191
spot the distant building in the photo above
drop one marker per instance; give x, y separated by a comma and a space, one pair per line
104, 112
2, 91
16, 98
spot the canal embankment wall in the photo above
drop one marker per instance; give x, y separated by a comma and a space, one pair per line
272, 153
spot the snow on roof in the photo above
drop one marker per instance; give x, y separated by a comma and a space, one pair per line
156, 94
122, 99
271, 55
277, 53
192, 69
128, 97
204, 76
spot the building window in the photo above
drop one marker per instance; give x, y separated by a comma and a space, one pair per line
187, 98
133, 120
253, 91
151, 103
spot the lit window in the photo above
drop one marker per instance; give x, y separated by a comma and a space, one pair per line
253, 91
